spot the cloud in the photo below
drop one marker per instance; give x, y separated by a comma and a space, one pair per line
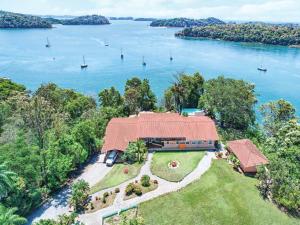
264, 10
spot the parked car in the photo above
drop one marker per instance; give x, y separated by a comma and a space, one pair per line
111, 158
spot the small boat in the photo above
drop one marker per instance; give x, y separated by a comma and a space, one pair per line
84, 65
106, 44
122, 55
144, 63
171, 57
48, 45
262, 69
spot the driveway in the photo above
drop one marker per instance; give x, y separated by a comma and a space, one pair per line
58, 204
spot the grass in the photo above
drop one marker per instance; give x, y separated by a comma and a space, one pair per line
117, 176
221, 197
117, 219
188, 161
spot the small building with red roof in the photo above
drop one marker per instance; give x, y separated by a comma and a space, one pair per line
248, 154
161, 131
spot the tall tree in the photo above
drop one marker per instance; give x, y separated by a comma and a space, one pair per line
186, 90
230, 101
275, 114
110, 98
79, 195
6, 180
8, 217
139, 96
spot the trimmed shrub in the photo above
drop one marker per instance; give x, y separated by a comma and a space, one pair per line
117, 190
145, 181
129, 189
104, 200
155, 182
105, 195
138, 191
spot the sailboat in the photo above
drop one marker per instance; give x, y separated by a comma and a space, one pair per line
106, 43
261, 68
122, 55
84, 65
48, 44
171, 57
144, 63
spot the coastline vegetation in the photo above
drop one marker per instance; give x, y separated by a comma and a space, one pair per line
185, 22
257, 33
48, 134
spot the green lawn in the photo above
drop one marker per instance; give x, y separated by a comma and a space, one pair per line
117, 176
188, 162
220, 197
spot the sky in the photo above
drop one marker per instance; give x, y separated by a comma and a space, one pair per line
244, 10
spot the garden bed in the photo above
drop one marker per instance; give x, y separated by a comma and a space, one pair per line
98, 203
144, 190
119, 218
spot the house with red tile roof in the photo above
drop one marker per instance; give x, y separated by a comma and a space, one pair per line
161, 131
249, 155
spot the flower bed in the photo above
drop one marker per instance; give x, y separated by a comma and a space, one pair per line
138, 188
173, 164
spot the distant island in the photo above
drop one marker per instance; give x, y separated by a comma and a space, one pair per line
259, 33
17, 20
86, 20
185, 22
145, 19
121, 18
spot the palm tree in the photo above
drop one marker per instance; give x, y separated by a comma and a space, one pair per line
6, 180
8, 217
178, 91
140, 150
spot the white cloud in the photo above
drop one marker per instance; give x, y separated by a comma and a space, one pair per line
264, 10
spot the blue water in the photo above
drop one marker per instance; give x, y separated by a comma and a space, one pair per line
24, 59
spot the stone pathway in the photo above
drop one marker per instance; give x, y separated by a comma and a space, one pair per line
163, 188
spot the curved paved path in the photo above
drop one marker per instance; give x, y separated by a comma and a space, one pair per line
163, 188
58, 204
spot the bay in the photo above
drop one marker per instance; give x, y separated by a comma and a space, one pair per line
25, 59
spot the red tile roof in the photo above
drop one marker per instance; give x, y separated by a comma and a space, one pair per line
121, 131
248, 154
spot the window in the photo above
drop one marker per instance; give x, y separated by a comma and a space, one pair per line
187, 142
199, 142
167, 142
177, 142
210, 142
194, 142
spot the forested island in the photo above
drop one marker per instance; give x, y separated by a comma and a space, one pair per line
17, 20
121, 18
144, 19
258, 33
86, 20
185, 22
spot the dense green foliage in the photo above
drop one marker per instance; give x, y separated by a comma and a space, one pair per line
9, 217
110, 98
139, 96
185, 22
45, 136
184, 93
230, 101
121, 18
86, 20
261, 33
6, 180
135, 152
145, 19
62, 220
79, 195
16, 20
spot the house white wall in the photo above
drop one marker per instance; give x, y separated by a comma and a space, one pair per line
188, 144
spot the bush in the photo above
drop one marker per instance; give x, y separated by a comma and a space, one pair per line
117, 190
92, 206
105, 195
126, 170
155, 182
145, 181
129, 189
138, 190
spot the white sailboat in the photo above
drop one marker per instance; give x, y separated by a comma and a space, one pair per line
84, 65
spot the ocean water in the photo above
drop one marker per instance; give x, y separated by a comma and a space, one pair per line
24, 59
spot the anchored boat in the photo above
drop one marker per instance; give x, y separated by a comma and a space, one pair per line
84, 65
